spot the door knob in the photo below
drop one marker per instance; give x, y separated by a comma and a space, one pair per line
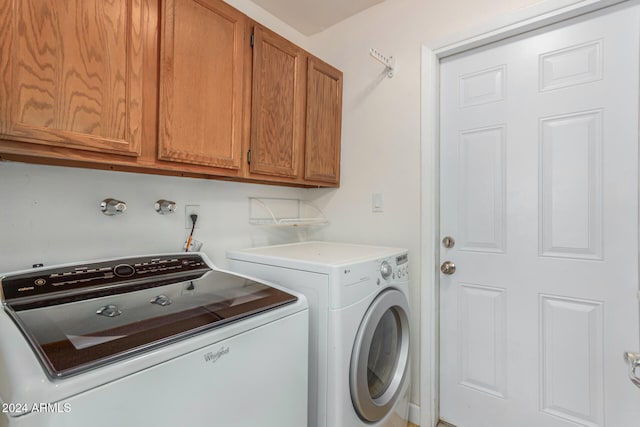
448, 242
633, 360
448, 267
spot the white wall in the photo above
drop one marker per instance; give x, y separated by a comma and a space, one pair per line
51, 215
258, 14
381, 123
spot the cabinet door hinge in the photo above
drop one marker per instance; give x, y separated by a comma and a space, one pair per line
252, 39
249, 157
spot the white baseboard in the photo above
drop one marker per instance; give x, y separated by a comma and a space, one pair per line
414, 414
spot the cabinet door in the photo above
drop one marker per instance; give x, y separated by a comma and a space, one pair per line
324, 122
277, 106
71, 74
201, 83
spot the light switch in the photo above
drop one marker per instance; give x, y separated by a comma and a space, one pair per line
377, 204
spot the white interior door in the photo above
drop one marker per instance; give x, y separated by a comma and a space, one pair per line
539, 190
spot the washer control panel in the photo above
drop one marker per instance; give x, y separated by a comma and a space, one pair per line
395, 268
42, 281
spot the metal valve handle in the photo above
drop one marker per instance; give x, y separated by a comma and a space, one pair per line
112, 207
164, 207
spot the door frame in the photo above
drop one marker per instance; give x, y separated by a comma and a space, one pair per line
515, 23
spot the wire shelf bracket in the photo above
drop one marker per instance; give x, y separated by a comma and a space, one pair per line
285, 212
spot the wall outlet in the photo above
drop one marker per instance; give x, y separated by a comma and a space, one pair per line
192, 209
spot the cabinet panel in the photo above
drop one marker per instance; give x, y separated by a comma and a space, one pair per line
277, 114
72, 74
201, 83
324, 121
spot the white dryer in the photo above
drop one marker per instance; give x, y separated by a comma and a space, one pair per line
359, 370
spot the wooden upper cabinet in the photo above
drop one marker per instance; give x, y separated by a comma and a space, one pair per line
71, 74
324, 122
277, 105
201, 83
182, 87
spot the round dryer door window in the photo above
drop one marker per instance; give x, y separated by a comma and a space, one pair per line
380, 358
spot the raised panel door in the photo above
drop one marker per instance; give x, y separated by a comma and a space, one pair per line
201, 83
324, 122
277, 106
71, 74
539, 189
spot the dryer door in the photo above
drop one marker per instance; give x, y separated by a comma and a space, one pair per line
380, 357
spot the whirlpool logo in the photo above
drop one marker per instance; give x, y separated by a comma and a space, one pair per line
214, 356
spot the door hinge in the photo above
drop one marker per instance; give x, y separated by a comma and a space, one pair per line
249, 156
252, 39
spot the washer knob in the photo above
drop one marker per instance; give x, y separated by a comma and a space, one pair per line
124, 270
385, 269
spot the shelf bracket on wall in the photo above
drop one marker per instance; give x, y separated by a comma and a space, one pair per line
387, 61
275, 211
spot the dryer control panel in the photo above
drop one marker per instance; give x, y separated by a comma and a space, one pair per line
395, 268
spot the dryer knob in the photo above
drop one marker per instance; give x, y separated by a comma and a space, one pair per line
385, 270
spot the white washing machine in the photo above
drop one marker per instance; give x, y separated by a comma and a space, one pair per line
155, 340
359, 326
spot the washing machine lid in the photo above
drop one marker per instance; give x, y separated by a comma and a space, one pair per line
380, 357
80, 317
